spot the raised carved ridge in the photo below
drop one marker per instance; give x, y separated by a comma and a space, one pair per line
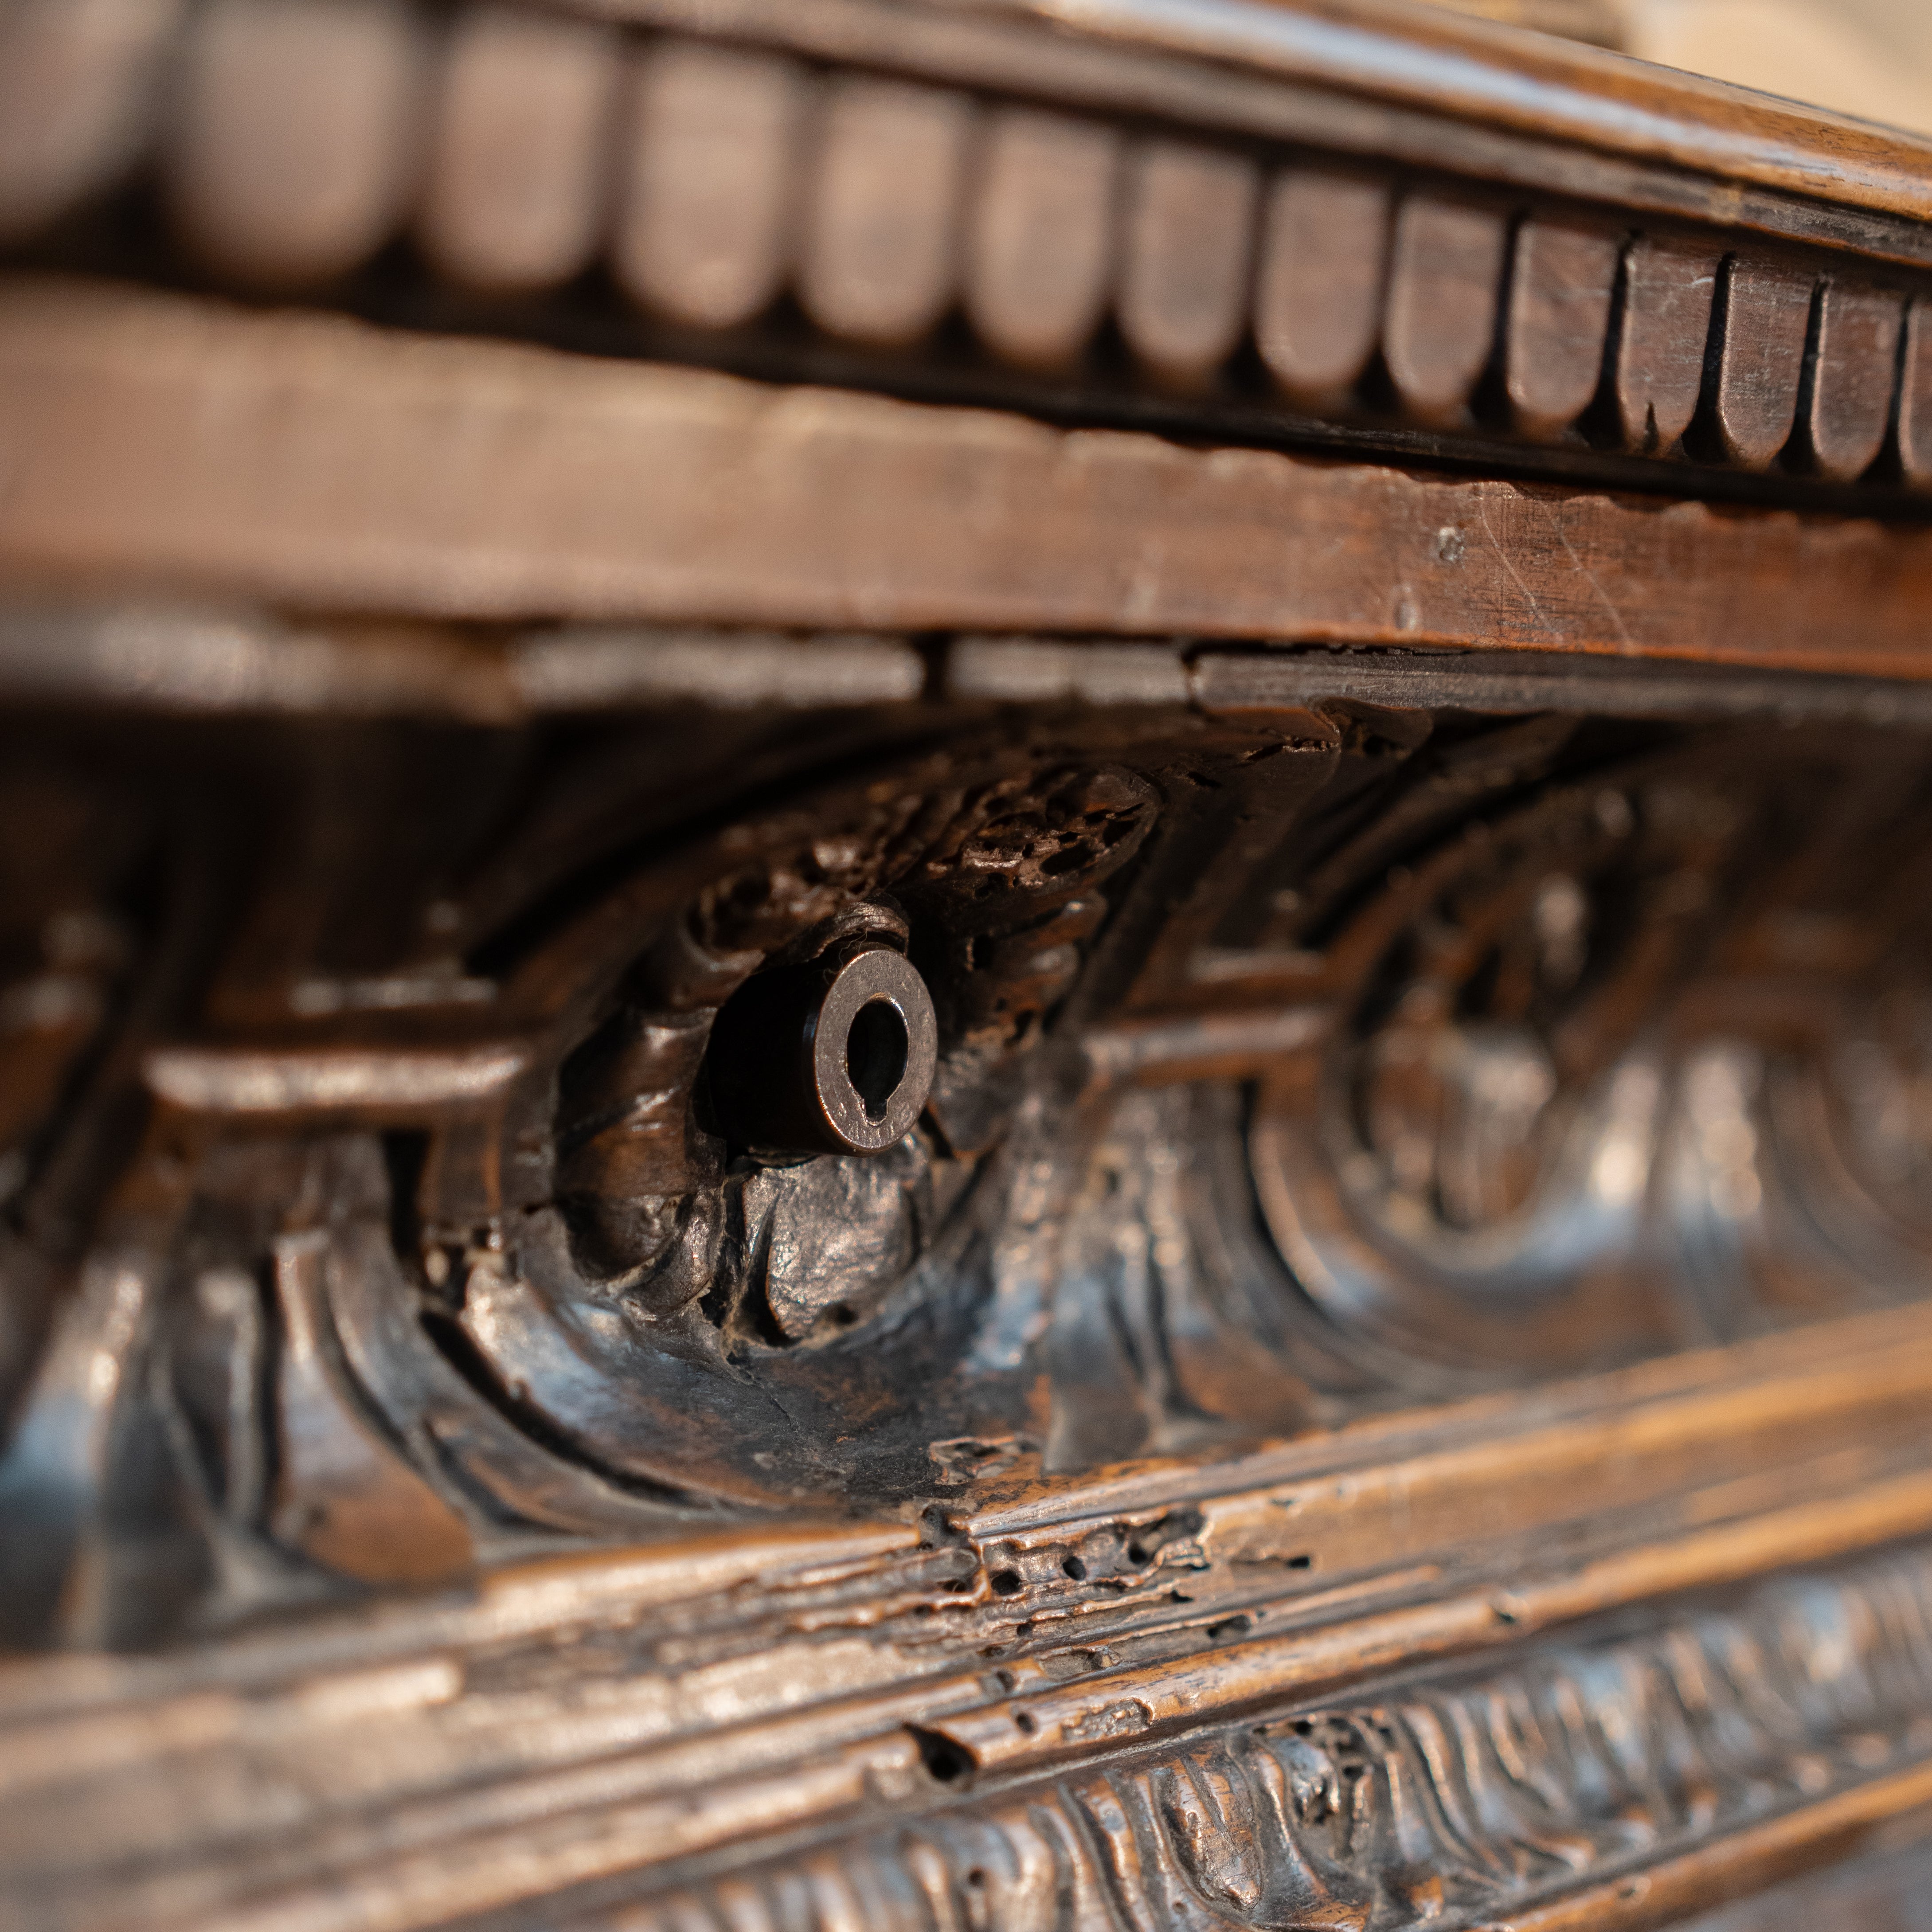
562, 1745
1462, 1801
810, 198
417, 1243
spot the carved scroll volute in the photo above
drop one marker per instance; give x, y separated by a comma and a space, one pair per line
1464, 1171
687, 1254
1610, 1058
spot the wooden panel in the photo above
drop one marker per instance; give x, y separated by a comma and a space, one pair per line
1914, 400
1670, 288
1318, 292
1850, 396
882, 218
1040, 244
515, 195
155, 439
1189, 240
1444, 279
714, 145
293, 133
77, 95
1558, 322
1765, 315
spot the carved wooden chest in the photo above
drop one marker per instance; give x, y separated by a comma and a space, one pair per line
965, 966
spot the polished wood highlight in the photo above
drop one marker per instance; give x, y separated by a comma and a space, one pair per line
963, 967
396, 1705
860, 161
629, 492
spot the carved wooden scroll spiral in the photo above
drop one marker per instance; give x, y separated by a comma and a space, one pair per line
1603, 1075
1290, 1063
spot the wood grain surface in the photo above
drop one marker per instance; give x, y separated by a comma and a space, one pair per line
1375, 1379
479, 1751
966, 202
1502, 77
152, 440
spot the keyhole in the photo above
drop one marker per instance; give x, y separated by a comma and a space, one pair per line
875, 1055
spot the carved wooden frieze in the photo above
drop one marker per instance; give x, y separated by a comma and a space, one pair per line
764, 1100
867, 1076
1476, 1799
964, 201
963, 967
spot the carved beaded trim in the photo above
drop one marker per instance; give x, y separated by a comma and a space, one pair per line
783, 210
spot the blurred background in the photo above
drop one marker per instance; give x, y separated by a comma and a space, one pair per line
1869, 57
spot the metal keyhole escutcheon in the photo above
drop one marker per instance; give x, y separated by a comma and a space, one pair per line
835, 1056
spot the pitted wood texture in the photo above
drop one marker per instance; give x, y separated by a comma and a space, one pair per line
605, 1720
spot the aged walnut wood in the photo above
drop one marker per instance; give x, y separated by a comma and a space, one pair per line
1545, 86
707, 191
441, 1678
1669, 289
1915, 401
1763, 311
625, 492
1445, 278
1857, 332
974, 976
1562, 283
1667, 142
1187, 239
1318, 304
77, 102
292, 148
1038, 256
880, 229
513, 198
701, 179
